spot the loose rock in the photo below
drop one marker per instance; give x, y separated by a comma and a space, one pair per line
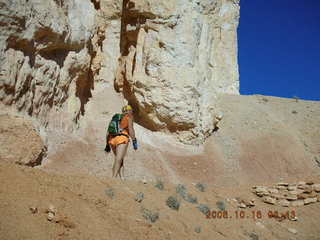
297, 203
269, 200
33, 210
292, 230
284, 203
309, 200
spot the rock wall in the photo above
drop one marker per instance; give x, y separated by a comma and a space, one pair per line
176, 58
46, 55
169, 59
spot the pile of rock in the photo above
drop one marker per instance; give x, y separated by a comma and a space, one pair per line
285, 194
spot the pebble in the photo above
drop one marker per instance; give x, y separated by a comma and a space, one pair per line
292, 230
242, 205
33, 210
50, 216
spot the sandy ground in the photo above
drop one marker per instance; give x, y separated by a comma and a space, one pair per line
84, 210
261, 140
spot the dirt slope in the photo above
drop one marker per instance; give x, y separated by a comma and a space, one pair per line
260, 139
83, 210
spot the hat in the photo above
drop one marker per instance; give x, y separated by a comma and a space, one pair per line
126, 108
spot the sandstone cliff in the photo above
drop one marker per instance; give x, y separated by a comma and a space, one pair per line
170, 59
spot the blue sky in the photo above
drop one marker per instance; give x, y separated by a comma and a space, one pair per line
279, 48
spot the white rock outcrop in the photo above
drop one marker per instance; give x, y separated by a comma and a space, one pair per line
176, 58
46, 55
170, 59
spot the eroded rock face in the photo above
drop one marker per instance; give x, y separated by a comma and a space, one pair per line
170, 59
46, 55
20, 143
176, 58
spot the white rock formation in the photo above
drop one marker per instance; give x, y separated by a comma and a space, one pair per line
45, 57
177, 57
170, 59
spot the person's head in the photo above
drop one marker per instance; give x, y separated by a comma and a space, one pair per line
127, 109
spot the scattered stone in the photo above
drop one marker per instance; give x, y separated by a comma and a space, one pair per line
144, 180
269, 200
297, 203
307, 189
310, 200
284, 203
278, 196
173, 203
283, 184
292, 188
293, 219
201, 187
51, 209
33, 210
50, 216
139, 197
318, 197
292, 230
249, 203
316, 187
296, 193
303, 196
242, 205
197, 229
149, 215
273, 191
109, 192
291, 197
261, 191
221, 205
281, 187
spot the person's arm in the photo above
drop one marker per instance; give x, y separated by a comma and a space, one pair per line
131, 129
132, 133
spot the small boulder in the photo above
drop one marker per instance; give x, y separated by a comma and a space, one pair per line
297, 203
310, 200
269, 200
291, 197
316, 187
50, 216
282, 184
284, 203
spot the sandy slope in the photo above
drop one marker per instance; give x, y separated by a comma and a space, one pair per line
260, 139
85, 211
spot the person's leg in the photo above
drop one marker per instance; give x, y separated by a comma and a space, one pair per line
114, 150
121, 171
121, 152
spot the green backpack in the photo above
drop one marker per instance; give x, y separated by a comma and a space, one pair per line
114, 125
